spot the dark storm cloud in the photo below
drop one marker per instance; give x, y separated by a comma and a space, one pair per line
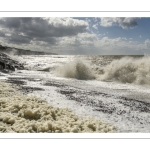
17, 39
2, 34
48, 40
23, 30
10, 22
127, 22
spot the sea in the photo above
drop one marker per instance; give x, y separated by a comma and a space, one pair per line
115, 89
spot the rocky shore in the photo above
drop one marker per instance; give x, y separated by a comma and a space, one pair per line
7, 64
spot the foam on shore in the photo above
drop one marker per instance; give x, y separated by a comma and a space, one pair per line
19, 113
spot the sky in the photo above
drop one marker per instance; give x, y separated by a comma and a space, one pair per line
78, 35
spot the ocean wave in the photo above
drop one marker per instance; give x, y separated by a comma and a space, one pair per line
128, 70
76, 69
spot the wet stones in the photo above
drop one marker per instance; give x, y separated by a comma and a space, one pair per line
56, 84
136, 105
28, 89
21, 84
7, 64
2, 65
86, 98
17, 82
95, 99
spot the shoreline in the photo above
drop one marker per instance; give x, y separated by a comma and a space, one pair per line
124, 106
20, 113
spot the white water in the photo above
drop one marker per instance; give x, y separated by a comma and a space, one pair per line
63, 69
75, 69
125, 70
128, 70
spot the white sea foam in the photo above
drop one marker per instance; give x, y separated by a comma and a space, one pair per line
19, 113
76, 69
128, 70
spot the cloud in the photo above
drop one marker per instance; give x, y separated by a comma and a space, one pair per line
69, 36
147, 43
95, 26
82, 39
17, 39
124, 22
2, 34
25, 30
86, 43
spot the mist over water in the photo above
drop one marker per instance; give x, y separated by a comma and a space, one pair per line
76, 69
124, 69
128, 70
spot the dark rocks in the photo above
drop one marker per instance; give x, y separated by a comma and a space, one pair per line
7, 64
136, 105
17, 82
29, 89
21, 84
100, 101
2, 64
56, 84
